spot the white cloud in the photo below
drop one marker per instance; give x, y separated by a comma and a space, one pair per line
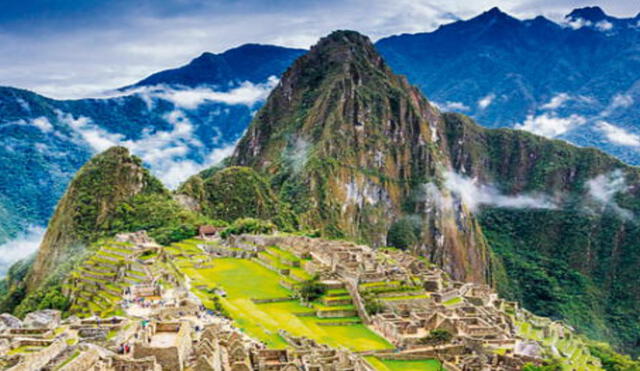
556, 102
42, 123
297, 154
166, 152
22, 246
486, 101
452, 106
578, 23
246, 93
618, 135
97, 138
604, 25
473, 195
621, 101
550, 125
603, 189
174, 171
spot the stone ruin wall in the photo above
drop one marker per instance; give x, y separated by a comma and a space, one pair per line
36, 360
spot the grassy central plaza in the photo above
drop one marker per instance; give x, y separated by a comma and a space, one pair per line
389, 365
244, 279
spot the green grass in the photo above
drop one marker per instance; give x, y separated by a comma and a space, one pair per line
273, 250
389, 365
337, 292
404, 297
240, 278
300, 273
453, 301
245, 279
118, 249
68, 360
369, 285
24, 349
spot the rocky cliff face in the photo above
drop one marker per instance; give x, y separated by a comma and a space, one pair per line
350, 146
85, 209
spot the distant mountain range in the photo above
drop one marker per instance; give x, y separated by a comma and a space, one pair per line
576, 81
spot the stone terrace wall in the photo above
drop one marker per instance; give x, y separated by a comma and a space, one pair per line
37, 360
169, 357
173, 357
82, 362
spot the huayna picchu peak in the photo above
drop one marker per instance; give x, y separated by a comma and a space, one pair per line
349, 145
354, 227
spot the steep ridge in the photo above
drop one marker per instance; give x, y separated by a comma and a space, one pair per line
578, 260
350, 146
250, 62
359, 153
88, 205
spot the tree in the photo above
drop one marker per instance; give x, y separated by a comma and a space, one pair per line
437, 337
311, 290
371, 304
403, 234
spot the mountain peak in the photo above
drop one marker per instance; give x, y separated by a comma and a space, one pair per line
491, 17
341, 53
493, 13
346, 36
589, 13
344, 44
85, 210
249, 62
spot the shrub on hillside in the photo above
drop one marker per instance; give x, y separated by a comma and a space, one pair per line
248, 226
404, 233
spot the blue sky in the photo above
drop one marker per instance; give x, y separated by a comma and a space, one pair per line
74, 48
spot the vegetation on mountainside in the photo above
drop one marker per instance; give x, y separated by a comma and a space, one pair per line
577, 261
404, 233
162, 217
548, 270
48, 295
612, 361
248, 226
239, 192
348, 144
311, 290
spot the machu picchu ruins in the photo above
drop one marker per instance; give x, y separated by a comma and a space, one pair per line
276, 302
